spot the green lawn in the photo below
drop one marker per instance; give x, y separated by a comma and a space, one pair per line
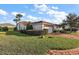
17, 43
77, 33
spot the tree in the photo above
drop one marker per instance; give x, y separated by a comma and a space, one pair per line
72, 20
18, 18
63, 24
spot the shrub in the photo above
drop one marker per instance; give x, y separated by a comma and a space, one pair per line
0, 28
15, 29
32, 32
23, 31
10, 28
4, 28
74, 29
35, 32
45, 31
70, 30
29, 27
55, 31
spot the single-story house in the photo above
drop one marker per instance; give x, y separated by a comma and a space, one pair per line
22, 25
40, 25
37, 26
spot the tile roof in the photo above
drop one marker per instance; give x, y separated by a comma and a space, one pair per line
24, 23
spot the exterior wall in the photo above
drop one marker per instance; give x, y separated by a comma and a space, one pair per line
57, 28
21, 27
50, 30
66, 27
37, 26
44, 27
18, 27
40, 26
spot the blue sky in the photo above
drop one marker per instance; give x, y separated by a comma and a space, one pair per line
53, 13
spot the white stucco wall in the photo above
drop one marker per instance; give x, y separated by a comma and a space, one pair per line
37, 26
21, 27
40, 26
18, 27
50, 30
58, 28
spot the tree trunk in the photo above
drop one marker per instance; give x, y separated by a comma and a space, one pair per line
71, 29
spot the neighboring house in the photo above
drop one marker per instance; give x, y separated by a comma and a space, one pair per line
40, 25
22, 25
57, 27
66, 27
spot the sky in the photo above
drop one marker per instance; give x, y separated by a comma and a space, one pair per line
53, 13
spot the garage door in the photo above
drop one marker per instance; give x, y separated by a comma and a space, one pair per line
50, 30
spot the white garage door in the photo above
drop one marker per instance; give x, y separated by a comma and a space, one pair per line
50, 30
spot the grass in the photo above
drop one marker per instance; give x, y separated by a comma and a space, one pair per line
15, 43
2, 33
75, 33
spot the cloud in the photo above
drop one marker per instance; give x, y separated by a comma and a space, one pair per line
54, 7
47, 20
14, 13
40, 12
50, 12
32, 18
58, 18
53, 12
58, 15
2, 12
42, 7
